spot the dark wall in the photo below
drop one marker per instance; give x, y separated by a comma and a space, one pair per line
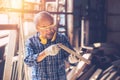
2, 50
2, 62
113, 21
93, 11
96, 16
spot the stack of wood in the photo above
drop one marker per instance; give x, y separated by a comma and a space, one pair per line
104, 65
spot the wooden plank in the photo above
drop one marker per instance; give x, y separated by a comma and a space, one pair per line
10, 54
8, 27
77, 30
112, 75
74, 53
88, 73
22, 68
20, 58
96, 74
43, 3
76, 71
18, 10
70, 29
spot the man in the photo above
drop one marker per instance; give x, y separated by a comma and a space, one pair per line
42, 53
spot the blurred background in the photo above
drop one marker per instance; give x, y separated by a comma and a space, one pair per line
92, 26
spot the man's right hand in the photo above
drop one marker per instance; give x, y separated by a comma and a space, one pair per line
52, 50
41, 56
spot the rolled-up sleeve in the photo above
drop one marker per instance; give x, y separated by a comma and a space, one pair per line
30, 55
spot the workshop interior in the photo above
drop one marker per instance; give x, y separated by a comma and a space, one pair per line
92, 27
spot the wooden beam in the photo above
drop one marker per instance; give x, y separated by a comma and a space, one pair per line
18, 10
8, 27
30, 11
88, 73
72, 52
43, 3
10, 54
76, 71
96, 74
70, 22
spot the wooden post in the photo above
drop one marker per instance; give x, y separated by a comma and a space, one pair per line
84, 34
70, 20
10, 54
43, 3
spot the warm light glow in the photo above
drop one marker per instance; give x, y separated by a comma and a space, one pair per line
3, 19
16, 4
32, 0
29, 29
51, 6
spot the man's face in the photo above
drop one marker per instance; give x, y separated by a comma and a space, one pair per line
47, 30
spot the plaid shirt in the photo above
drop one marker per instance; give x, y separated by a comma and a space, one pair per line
50, 68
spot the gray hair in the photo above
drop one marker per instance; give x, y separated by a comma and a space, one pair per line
43, 16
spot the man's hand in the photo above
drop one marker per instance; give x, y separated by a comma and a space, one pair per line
41, 56
73, 59
52, 50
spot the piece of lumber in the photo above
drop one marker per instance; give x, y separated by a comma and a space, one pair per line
74, 53
76, 71
96, 74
